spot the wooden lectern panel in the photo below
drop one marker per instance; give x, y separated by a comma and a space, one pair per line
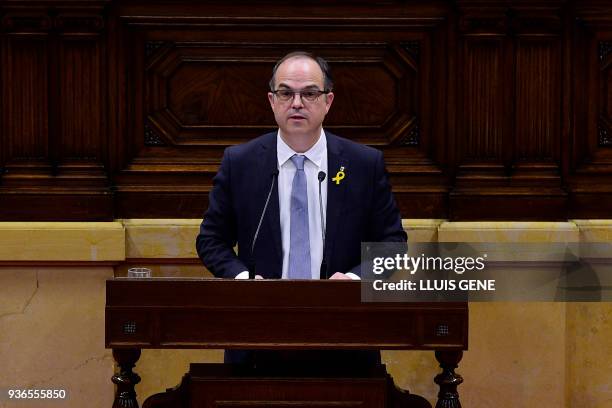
211, 385
279, 314
276, 314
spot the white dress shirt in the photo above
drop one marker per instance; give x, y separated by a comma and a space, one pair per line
316, 161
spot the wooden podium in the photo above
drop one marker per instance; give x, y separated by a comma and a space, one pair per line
276, 315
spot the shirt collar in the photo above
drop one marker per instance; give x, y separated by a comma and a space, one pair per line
314, 154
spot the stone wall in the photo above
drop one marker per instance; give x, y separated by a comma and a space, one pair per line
52, 278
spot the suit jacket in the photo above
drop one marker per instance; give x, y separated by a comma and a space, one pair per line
360, 208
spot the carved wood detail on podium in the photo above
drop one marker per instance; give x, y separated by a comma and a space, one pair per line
448, 380
176, 397
400, 398
126, 379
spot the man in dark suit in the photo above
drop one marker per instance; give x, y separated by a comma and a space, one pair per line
299, 201
356, 198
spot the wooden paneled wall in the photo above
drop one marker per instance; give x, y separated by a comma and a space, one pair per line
484, 109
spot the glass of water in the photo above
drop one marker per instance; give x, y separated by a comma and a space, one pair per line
139, 273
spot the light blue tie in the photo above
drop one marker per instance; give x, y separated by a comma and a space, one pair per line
299, 249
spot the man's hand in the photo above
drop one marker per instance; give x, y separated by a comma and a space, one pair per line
245, 275
340, 275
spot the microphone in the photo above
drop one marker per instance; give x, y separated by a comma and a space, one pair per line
323, 272
263, 214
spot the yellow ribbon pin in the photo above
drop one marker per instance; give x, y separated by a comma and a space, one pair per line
339, 175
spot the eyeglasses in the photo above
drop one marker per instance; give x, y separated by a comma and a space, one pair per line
310, 95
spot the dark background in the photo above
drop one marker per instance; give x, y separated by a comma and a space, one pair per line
484, 109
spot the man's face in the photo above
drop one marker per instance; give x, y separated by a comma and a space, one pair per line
298, 117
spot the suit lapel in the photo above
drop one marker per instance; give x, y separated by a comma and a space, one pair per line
268, 165
336, 192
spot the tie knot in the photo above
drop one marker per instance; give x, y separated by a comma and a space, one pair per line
298, 161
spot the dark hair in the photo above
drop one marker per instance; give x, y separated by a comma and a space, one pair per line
328, 81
